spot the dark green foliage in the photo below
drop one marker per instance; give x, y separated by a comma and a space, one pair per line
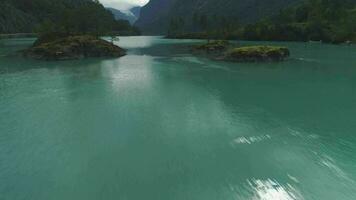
65, 16
318, 20
332, 21
156, 15
204, 25
13, 20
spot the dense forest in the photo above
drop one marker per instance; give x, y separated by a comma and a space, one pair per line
317, 20
64, 16
156, 15
332, 21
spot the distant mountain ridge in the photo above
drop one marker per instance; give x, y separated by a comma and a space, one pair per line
130, 15
156, 15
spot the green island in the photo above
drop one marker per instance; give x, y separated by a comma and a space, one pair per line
224, 50
73, 47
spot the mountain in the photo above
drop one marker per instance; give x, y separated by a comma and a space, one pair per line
331, 21
26, 16
14, 20
157, 14
136, 11
131, 15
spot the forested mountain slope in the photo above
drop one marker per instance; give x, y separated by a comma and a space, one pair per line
330, 21
25, 16
156, 15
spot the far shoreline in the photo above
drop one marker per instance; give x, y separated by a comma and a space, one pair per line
34, 35
18, 35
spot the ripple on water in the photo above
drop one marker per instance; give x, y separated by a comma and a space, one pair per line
330, 164
272, 190
267, 190
251, 139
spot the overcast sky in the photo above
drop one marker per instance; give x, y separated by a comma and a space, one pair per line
123, 4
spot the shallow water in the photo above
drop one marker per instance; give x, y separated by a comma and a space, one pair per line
162, 124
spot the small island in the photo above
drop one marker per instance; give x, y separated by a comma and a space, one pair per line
72, 47
223, 50
257, 54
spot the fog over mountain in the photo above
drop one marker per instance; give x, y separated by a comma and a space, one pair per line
130, 15
123, 4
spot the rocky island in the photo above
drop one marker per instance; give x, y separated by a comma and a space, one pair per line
257, 54
223, 50
72, 47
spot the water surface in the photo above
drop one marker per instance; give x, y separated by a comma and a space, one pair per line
162, 124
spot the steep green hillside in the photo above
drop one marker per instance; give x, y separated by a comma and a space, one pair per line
285, 20
331, 21
157, 14
23, 15
14, 20
70, 16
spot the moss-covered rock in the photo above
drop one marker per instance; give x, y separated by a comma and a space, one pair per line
257, 54
72, 47
213, 46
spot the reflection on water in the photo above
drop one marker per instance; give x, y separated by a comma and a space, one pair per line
139, 42
160, 123
133, 74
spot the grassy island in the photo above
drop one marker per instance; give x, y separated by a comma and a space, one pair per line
223, 50
73, 47
257, 54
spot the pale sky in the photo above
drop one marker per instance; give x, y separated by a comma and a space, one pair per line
123, 4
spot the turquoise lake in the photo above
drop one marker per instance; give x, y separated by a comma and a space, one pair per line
163, 124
